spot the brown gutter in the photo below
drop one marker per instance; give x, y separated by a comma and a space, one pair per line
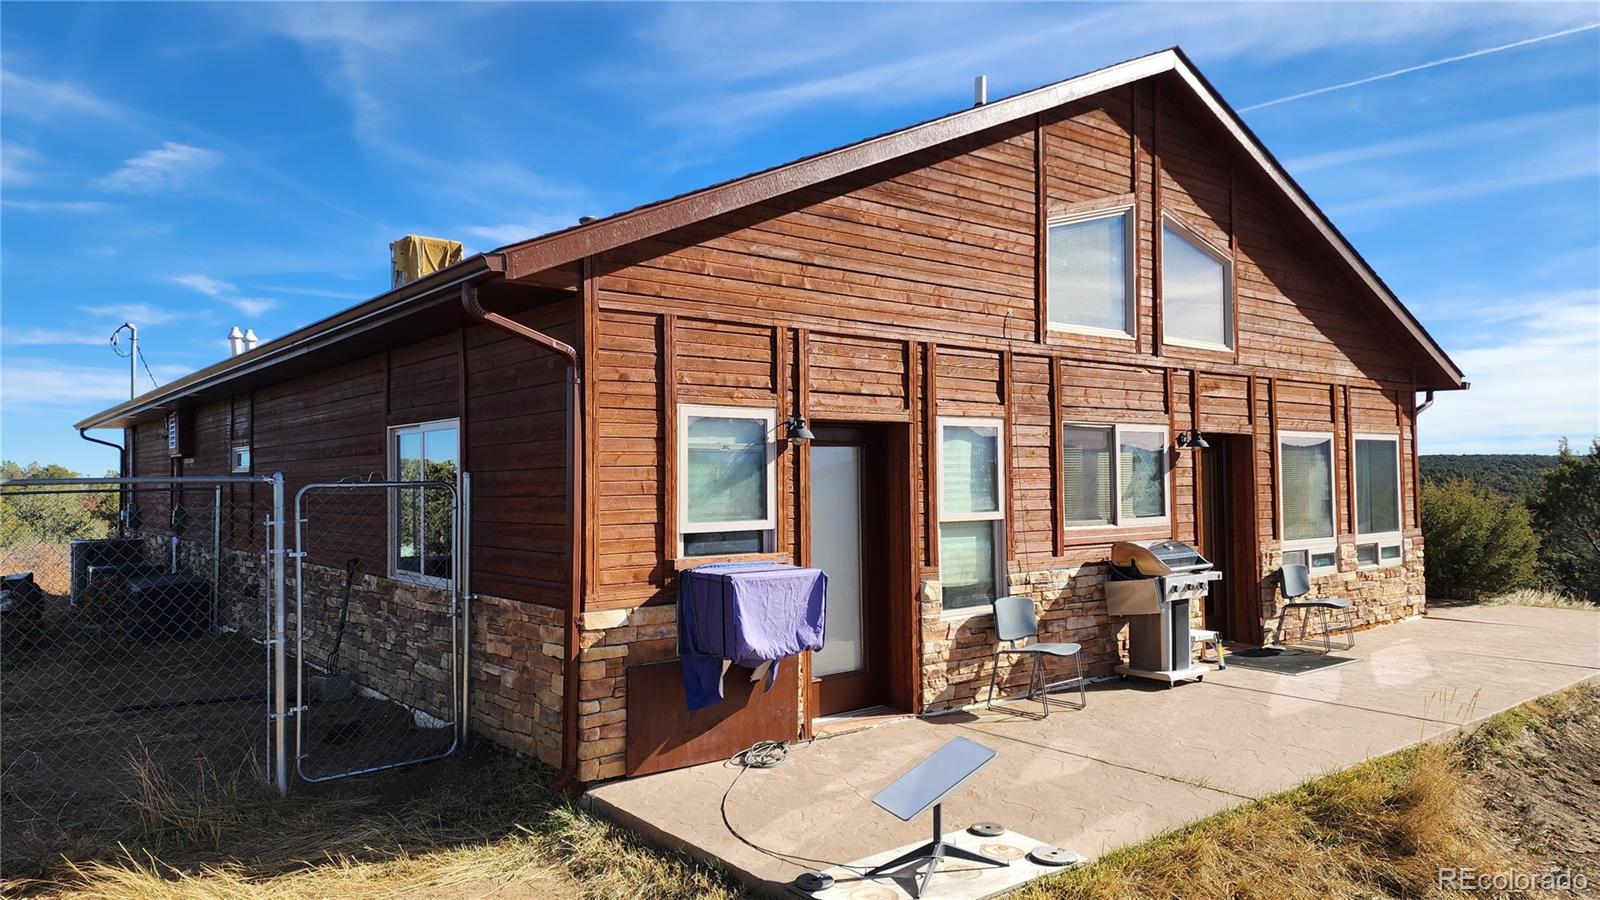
569, 670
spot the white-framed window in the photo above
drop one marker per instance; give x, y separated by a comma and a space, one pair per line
727, 480
1196, 289
972, 512
1089, 263
239, 460
1377, 487
1114, 475
422, 519
1305, 489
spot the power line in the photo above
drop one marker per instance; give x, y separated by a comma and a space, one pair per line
1420, 66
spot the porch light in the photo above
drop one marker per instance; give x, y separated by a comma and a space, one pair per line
796, 430
1192, 440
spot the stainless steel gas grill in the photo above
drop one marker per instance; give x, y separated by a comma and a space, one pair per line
1153, 583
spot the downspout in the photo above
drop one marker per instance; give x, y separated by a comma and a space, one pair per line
574, 454
1427, 402
122, 472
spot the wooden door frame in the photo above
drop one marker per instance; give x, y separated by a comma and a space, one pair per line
896, 438
1241, 568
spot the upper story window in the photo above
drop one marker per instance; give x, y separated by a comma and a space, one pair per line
972, 515
1114, 474
422, 532
1089, 268
1377, 500
727, 491
1305, 472
1196, 290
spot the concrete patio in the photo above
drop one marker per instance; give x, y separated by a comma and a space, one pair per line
1140, 760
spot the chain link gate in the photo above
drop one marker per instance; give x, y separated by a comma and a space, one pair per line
376, 636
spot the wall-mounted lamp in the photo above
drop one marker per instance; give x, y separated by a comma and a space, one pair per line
1192, 440
797, 431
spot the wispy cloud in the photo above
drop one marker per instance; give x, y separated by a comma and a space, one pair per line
18, 164
511, 232
1432, 64
1505, 130
50, 336
205, 284
58, 206
60, 103
41, 382
172, 166
137, 313
251, 306
1535, 372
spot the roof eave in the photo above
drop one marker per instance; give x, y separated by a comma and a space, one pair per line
382, 308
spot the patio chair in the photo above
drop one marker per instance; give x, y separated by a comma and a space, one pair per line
1014, 621
1297, 584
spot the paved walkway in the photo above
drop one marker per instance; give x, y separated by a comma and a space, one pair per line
1138, 761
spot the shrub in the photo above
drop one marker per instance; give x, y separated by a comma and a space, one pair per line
1479, 543
1567, 515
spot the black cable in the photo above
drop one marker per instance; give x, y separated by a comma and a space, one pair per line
768, 755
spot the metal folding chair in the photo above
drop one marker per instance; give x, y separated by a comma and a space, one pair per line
1014, 621
1296, 584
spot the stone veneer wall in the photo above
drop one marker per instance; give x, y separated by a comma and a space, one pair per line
611, 641
397, 642
1380, 594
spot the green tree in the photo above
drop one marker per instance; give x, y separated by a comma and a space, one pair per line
51, 515
1566, 513
1479, 543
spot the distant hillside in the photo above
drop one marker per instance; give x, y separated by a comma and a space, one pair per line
1514, 474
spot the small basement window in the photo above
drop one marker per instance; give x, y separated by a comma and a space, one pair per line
972, 516
1196, 290
1377, 488
239, 460
422, 519
1088, 271
727, 490
1305, 474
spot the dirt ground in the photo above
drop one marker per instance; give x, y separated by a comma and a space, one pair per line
1544, 786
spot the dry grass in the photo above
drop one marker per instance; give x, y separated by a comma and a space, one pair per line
480, 826
1539, 597
1381, 829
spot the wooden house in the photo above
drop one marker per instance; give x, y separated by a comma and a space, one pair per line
1004, 328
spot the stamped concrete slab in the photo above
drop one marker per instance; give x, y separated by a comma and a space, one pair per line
1136, 762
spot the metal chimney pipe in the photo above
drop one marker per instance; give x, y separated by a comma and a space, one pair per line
980, 90
235, 341
250, 339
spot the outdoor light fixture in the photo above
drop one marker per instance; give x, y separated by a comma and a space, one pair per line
797, 431
1192, 440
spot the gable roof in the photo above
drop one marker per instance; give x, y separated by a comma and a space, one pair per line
559, 248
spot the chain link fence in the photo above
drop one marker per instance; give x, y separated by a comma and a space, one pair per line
189, 637
134, 647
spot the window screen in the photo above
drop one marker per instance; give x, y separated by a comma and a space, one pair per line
1086, 467
971, 470
1307, 469
1087, 274
1377, 486
1194, 292
727, 469
1141, 458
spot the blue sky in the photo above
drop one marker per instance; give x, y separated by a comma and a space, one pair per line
193, 167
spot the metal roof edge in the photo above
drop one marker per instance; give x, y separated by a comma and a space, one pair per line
302, 340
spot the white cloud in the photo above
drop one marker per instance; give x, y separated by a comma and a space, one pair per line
205, 284
1510, 129
43, 336
137, 313
56, 102
251, 306
18, 164
34, 382
512, 232
172, 166
1535, 377
58, 206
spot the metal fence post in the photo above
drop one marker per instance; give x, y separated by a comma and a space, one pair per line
465, 586
280, 641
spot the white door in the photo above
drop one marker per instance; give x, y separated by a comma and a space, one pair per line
836, 550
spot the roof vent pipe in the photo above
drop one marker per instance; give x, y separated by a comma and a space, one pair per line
584, 220
980, 90
235, 341
250, 339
